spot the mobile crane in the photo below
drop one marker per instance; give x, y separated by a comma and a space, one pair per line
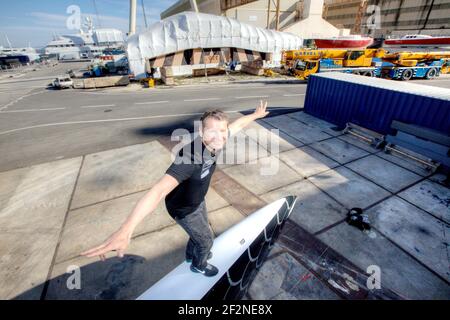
303, 63
367, 62
408, 65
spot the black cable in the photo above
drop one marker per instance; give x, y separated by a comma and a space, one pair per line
428, 15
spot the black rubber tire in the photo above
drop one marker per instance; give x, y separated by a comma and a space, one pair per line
431, 73
407, 74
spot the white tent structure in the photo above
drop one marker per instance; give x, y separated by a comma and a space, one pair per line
191, 30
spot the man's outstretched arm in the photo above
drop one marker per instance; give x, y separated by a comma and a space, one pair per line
243, 121
120, 239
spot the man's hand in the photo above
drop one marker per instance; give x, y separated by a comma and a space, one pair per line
260, 111
243, 121
118, 241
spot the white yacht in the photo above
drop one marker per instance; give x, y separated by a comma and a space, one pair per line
25, 51
88, 43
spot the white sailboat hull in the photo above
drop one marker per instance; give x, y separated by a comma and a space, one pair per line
237, 253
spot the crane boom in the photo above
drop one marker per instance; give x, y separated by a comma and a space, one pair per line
411, 59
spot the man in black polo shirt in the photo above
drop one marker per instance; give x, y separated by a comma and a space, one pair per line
184, 187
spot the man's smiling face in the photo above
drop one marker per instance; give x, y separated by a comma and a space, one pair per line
214, 133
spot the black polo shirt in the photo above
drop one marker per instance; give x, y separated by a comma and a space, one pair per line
193, 169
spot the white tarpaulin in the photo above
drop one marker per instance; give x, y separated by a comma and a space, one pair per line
108, 36
191, 30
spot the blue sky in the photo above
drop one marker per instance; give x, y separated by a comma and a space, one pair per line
36, 21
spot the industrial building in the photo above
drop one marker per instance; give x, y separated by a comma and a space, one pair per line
345, 13
260, 13
395, 17
303, 18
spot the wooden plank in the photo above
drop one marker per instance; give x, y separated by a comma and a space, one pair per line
328, 265
256, 55
167, 71
252, 70
226, 54
178, 58
209, 72
159, 62
242, 56
196, 56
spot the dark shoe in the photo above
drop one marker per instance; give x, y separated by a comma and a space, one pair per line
208, 271
189, 260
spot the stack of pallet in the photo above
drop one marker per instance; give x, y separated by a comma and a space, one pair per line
167, 76
209, 59
207, 71
101, 82
255, 67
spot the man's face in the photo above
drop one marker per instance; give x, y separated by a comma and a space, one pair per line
214, 133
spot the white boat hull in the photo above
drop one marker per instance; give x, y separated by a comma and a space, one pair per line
237, 253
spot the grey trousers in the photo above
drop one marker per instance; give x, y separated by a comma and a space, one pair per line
201, 237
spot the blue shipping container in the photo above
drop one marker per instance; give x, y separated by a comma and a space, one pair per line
374, 103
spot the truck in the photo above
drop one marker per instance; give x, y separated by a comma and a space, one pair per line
367, 62
409, 65
303, 63
64, 56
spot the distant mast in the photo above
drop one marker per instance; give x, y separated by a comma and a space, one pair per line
132, 18
7, 40
194, 5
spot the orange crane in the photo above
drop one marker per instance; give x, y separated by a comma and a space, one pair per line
407, 65
303, 63
412, 59
369, 62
